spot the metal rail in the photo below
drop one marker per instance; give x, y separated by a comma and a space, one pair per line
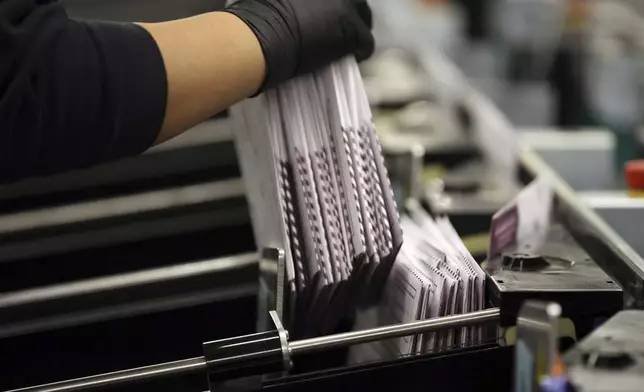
199, 364
91, 300
392, 331
115, 379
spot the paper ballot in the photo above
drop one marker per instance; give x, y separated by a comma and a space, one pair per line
433, 276
318, 188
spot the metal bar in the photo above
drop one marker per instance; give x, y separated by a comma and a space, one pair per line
115, 379
169, 163
128, 280
194, 365
122, 205
136, 308
152, 290
71, 239
208, 132
392, 331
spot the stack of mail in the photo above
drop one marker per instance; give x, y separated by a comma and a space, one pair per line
318, 189
434, 275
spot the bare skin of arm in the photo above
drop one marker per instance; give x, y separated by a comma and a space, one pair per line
212, 62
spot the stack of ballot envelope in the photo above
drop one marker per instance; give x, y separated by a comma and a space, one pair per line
434, 275
318, 189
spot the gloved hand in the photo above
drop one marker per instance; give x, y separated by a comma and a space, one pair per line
299, 36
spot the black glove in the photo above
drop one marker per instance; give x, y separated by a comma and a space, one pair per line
299, 36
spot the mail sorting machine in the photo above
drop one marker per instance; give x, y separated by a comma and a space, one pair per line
116, 218
468, 191
611, 357
563, 271
258, 361
263, 360
430, 134
117, 250
577, 244
272, 352
469, 196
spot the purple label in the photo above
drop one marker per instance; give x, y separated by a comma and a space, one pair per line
503, 232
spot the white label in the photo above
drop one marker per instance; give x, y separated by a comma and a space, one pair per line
535, 207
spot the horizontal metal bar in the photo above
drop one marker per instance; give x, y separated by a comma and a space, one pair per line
121, 206
115, 379
123, 281
157, 166
125, 232
208, 132
147, 291
120, 311
392, 331
296, 348
611, 200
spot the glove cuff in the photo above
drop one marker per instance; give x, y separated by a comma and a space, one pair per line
278, 38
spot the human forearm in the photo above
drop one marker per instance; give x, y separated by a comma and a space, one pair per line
76, 93
212, 61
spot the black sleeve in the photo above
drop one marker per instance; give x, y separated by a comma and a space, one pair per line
74, 93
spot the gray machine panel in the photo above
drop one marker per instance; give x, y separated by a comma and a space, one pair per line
562, 272
611, 358
571, 268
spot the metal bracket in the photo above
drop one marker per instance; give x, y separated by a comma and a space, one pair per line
536, 347
240, 363
284, 336
272, 271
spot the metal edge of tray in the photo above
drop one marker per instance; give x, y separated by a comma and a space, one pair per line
144, 202
158, 164
313, 345
106, 222
126, 295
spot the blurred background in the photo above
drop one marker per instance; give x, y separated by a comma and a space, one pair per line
570, 66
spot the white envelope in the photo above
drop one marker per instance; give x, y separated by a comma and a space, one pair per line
318, 188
